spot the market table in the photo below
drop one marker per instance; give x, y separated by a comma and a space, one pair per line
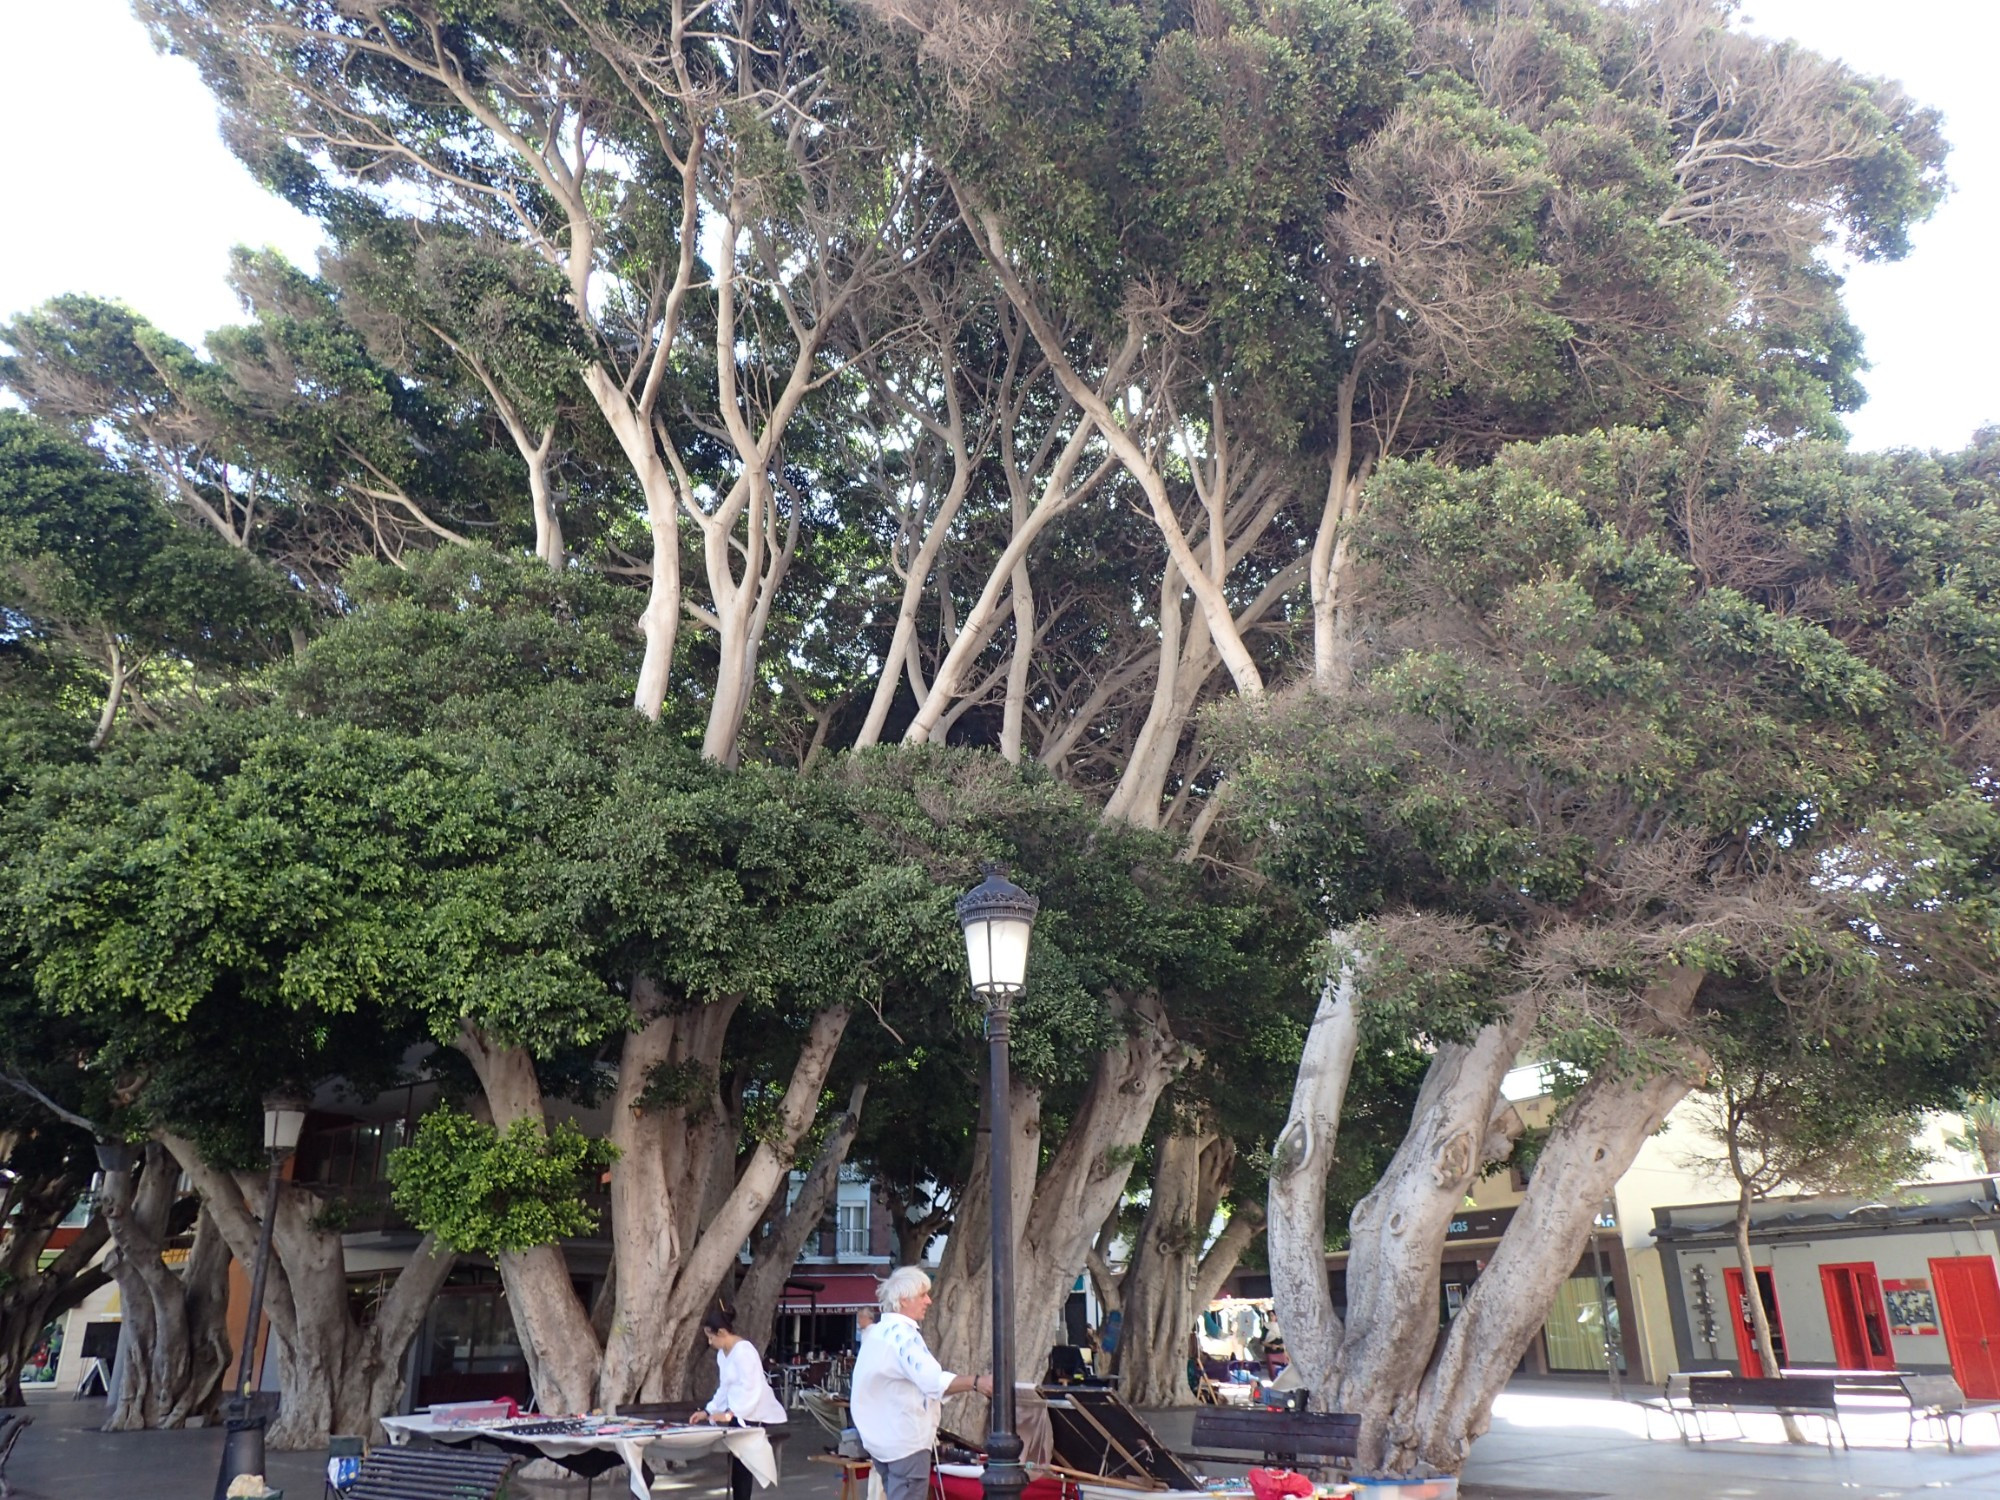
626, 1442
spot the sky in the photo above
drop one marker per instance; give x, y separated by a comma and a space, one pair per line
118, 184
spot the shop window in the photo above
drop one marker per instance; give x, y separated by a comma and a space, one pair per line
1576, 1332
471, 1350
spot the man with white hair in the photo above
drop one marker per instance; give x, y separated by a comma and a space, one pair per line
899, 1388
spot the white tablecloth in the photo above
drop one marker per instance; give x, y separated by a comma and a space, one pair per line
751, 1446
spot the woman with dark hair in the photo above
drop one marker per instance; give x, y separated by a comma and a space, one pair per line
743, 1395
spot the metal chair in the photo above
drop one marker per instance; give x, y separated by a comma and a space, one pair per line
338, 1448
12, 1425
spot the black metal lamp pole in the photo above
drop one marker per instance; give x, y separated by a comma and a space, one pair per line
998, 916
243, 1440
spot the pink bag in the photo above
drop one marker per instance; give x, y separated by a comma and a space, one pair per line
1275, 1484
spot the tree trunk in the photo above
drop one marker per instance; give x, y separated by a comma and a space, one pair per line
1398, 1230
33, 1296
554, 1327
1245, 1224
1015, 706
548, 525
960, 1325
1422, 1401
1140, 789
1158, 1285
1295, 1231
1760, 1322
336, 1375
774, 1256
660, 621
1987, 1137
760, 1180
172, 1353
1208, 592
1065, 1204
1110, 1285
1593, 1143
681, 1207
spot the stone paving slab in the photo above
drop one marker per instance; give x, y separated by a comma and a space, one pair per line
1550, 1441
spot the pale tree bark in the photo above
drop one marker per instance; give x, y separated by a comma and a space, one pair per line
1137, 797
1086, 1177
172, 1351
760, 1179
1986, 1136
114, 692
548, 525
1219, 1261
335, 1375
1295, 1236
742, 603
1753, 1299
535, 449
1014, 708
773, 1255
1163, 1286
1110, 1283
1065, 1203
635, 77
1333, 542
1060, 493
1142, 466
557, 1338
681, 1206
1594, 1141
960, 1325
1238, 504
1398, 1230
921, 534
1748, 1188
1424, 1399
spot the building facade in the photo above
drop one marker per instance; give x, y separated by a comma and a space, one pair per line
1912, 1283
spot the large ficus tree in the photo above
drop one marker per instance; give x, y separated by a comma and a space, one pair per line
685, 174
1042, 373
1604, 783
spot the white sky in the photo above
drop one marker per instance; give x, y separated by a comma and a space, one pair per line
118, 185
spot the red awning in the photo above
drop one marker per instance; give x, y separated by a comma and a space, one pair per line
833, 1293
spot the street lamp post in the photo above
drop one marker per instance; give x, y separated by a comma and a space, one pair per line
998, 916
243, 1442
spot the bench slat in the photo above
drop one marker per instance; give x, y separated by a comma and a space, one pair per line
1276, 1433
430, 1474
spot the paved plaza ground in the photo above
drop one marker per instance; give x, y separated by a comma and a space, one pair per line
1550, 1441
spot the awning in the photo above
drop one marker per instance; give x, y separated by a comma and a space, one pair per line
832, 1293
1852, 1220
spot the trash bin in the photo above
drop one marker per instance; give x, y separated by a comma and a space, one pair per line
242, 1451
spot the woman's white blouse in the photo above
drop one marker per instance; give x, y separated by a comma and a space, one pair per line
744, 1392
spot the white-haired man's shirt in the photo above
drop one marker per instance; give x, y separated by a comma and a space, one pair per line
898, 1390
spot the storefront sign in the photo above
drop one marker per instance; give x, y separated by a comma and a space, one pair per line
1480, 1224
1912, 1306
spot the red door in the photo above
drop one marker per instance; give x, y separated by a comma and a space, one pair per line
1746, 1333
1859, 1321
1968, 1294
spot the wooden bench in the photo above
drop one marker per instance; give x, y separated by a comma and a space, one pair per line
1800, 1396
12, 1425
1277, 1437
431, 1474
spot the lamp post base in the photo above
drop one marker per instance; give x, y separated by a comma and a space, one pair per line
242, 1444
1005, 1476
